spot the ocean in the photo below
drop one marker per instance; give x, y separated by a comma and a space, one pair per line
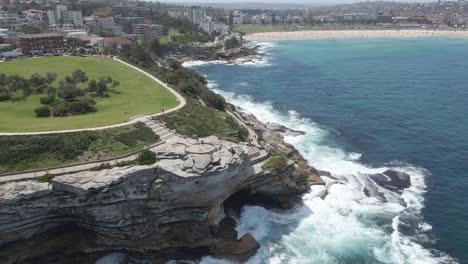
367, 106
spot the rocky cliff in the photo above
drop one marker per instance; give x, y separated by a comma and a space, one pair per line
171, 209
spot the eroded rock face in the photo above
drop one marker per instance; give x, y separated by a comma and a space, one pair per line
176, 203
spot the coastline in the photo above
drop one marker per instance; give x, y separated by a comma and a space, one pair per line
334, 34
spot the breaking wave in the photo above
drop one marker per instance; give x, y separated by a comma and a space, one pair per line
257, 61
358, 221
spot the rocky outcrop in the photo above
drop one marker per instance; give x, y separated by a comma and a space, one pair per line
212, 53
178, 203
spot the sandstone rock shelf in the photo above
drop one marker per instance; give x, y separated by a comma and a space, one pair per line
176, 205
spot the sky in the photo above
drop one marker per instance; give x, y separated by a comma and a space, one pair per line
285, 1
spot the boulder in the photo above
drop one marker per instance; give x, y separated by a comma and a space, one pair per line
392, 180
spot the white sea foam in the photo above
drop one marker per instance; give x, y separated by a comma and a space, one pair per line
197, 63
347, 226
257, 61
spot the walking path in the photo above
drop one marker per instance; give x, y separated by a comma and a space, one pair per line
159, 129
179, 98
252, 134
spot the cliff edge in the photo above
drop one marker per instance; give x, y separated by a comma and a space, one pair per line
174, 208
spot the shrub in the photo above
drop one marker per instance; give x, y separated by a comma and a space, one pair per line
45, 178
60, 109
43, 111
275, 163
102, 166
125, 163
146, 157
47, 100
4, 97
80, 107
140, 134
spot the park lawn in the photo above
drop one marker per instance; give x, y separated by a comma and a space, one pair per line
137, 95
256, 28
168, 39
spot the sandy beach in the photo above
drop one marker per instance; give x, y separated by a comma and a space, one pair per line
325, 34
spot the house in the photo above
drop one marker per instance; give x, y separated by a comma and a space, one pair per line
94, 41
40, 44
117, 43
35, 16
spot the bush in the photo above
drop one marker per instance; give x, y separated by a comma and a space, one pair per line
60, 109
47, 100
4, 97
146, 157
275, 163
45, 178
125, 163
140, 134
43, 111
81, 107
103, 166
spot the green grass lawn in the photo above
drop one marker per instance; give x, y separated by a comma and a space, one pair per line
256, 28
167, 39
136, 95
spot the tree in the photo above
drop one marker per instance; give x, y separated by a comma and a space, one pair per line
68, 91
39, 83
51, 77
47, 100
50, 90
101, 86
79, 76
115, 84
42, 111
156, 48
81, 107
92, 86
15, 83
146, 157
69, 79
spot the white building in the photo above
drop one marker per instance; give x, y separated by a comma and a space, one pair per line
196, 14
238, 18
214, 27
35, 16
62, 18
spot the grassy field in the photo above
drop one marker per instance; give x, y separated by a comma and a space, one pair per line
256, 28
136, 95
167, 39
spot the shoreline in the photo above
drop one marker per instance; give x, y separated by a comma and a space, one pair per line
335, 34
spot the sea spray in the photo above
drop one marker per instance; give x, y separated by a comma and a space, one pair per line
348, 226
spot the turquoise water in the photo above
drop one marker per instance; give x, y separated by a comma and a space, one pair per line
366, 106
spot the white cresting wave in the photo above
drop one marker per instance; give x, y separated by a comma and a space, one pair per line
258, 61
347, 226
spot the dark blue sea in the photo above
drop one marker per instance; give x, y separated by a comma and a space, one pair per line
367, 106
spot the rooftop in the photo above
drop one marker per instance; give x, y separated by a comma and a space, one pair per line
41, 35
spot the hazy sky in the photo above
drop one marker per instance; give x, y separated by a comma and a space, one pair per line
284, 1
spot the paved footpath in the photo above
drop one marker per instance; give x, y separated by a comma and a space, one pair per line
159, 129
180, 99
